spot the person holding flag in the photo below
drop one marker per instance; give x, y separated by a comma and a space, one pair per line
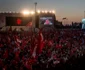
40, 43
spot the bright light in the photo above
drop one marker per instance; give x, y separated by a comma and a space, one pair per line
43, 11
32, 12
38, 11
50, 11
26, 12
53, 11
46, 11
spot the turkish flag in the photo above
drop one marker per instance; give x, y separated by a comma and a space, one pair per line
29, 24
41, 42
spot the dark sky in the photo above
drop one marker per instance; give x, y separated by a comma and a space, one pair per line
72, 9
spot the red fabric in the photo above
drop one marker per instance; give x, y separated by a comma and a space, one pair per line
17, 55
41, 43
23, 44
1, 63
1, 45
29, 62
5, 55
14, 62
29, 24
50, 43
58, 46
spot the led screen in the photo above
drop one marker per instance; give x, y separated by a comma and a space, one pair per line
46, 20
18, 21
83, 23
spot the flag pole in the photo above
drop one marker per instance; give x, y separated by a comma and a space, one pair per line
35, 13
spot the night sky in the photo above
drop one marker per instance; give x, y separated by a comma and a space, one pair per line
71, 9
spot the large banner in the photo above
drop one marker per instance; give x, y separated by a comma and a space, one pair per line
18, 21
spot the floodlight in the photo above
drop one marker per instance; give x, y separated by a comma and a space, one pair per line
32, 12
26, 12
53, 11
46, 11
38, 11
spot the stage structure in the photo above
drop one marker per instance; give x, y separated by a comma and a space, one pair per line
26, 19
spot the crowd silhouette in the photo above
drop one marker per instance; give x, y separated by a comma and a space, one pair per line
47, 49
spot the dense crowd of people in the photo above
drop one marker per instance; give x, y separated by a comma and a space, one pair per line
43, 50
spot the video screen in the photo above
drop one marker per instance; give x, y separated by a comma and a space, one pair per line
83, 26
18, 21
83, 23
46, 20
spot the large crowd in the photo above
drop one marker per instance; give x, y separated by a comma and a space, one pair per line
42, 50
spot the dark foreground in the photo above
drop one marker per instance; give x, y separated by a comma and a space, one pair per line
72, 64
